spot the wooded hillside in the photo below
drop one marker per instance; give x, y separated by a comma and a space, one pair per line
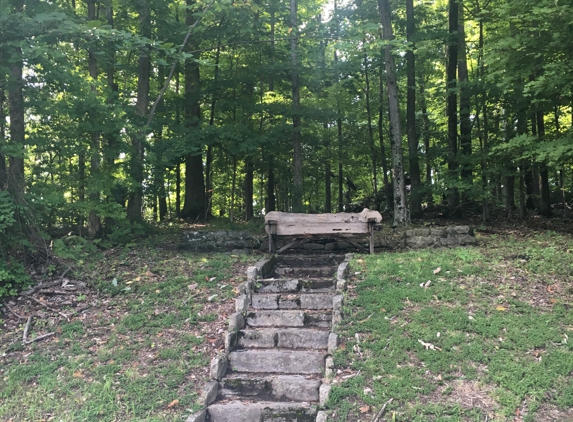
116, 112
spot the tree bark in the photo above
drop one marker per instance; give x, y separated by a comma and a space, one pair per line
249, 173
3, 168
296, 124
415, 179
387, 184
426, 137
401, 213
465, 106
135, 202
15, 173
94, 223
454, 210
194, 207
271, 203
544, 173
370, 129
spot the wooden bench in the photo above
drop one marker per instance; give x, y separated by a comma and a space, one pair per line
307, 226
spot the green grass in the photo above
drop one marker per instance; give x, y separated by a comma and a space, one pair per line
498, 315
140, 353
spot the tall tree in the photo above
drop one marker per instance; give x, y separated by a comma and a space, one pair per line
454, 209
401, 213
415, 194
135, 203
297, 192
194, 206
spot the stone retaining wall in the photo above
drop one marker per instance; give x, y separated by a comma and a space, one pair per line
386, 239
218, 241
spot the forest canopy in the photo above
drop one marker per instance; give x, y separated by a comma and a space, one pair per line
116, 113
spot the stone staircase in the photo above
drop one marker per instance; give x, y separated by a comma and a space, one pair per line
277, 360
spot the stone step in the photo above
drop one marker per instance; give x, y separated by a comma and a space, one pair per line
292, 301
269, 388
302, 318
285, 338
261, 412
305, 272
278, 361
295, 285
321, 260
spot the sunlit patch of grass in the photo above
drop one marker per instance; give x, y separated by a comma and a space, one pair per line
479, 328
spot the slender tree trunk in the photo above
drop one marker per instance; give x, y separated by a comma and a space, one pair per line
370, 129
194, 207
387, 183
465, 106
545, 190
296, 124
233, 188
3, 168
415, 179
249, 174
535, 169
135, 203
454, 210
94, 223
271, 203
426, 137
401, 213
15, 173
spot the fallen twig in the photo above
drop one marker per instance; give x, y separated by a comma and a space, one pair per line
26, 328
48, 306
382, 411
42, 337
48, 285
14, 312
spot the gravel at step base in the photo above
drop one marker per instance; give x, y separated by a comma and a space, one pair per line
278, 361
262, 412
305, 272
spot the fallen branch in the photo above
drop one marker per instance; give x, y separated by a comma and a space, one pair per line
42, 337
14, 312
26, 328
48, 307
382, 411
48, 285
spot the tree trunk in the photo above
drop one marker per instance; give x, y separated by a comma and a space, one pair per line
271, 203
454, 210
296, 125
3, 168
15, 173
415, 179
233, 187
387, 183
426, 137
249, 173
135, 203
465, 106
544, 173
370, 129
194, 207
401, 213
94, 223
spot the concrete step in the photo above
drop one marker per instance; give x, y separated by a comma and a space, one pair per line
237, 411
269, 388
285, 338
303, 318
304, 272
292, 301
295, 285
321, 260
278, 361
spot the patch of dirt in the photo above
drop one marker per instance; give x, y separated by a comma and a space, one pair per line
468, 394
549, 413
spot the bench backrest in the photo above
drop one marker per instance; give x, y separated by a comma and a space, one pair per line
292, 224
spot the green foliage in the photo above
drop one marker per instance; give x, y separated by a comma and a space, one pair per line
72, 247
13, 278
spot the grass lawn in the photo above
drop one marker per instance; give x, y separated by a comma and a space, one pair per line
474, 334
141, 349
